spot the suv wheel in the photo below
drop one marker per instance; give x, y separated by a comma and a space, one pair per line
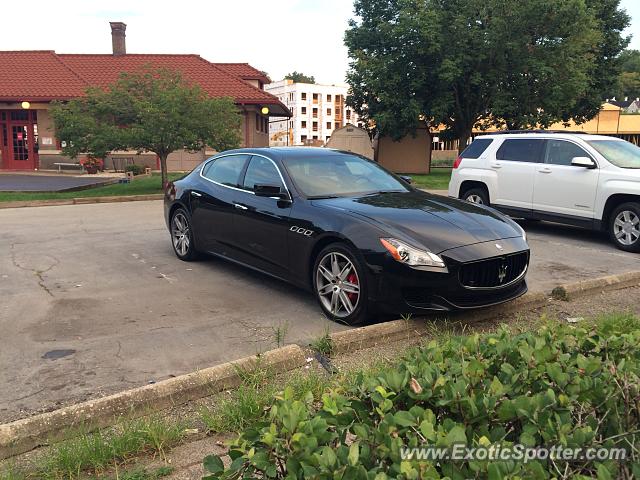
340, 286
624, 227
476, 195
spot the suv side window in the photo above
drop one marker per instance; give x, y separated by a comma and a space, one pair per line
521, 150
476, 148
226, 170
261, 170
560, 152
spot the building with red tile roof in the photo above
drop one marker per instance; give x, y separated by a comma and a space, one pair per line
29, 80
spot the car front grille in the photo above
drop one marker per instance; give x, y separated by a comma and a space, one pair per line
495, 272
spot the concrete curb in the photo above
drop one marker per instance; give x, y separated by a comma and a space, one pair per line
81, 201
373, 335
26, 434
586, 287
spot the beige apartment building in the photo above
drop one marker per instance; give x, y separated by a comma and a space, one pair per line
316, 111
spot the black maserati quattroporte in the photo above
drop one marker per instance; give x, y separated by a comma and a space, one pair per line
363, 240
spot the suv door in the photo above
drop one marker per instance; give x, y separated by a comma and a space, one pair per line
514, 167
262, 223
212, 208
561, 188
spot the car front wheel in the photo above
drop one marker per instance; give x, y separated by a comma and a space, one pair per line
340, 285
624, 227
182, 236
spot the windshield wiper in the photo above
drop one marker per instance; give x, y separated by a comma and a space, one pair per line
322, 197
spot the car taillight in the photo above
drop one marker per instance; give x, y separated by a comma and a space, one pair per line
457, 163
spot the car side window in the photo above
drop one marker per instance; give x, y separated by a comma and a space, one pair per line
476, 148
521, 150
560, 152
226, 170
261, 170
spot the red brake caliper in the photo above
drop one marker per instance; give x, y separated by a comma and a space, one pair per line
352, 278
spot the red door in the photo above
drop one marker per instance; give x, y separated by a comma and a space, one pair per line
20, 148
17, 141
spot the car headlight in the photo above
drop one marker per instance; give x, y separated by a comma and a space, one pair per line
409, 255
524, 234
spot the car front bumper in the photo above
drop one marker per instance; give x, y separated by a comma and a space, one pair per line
398, 289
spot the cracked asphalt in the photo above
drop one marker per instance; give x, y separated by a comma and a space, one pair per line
93, 301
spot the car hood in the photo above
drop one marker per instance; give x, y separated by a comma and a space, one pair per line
432, 221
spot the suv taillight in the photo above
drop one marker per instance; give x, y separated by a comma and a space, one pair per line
457, 163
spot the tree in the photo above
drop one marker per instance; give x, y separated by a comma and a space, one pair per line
147, 111
470, 63
299, 77
629, 80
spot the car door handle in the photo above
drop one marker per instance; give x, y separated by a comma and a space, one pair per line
496, 165
239, 206
544, 170
196, 194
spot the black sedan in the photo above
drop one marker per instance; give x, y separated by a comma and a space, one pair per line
362, 239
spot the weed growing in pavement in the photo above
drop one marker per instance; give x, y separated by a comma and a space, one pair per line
323, 344
280, 333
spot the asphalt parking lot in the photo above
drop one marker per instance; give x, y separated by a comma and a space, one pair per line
94, 301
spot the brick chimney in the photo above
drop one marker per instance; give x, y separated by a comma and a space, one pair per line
118, 38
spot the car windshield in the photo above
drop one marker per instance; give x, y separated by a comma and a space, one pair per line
340, 175
619, 152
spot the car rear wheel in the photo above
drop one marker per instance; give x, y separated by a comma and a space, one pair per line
340, 285
476, 195
624, 227
182, 236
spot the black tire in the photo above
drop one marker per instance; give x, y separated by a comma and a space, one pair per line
624, 227
181, 232
335, 292
476, 195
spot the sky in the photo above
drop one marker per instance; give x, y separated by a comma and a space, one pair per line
277, 36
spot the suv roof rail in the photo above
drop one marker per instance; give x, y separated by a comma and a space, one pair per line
504, 132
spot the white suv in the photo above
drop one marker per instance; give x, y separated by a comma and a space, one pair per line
590, 181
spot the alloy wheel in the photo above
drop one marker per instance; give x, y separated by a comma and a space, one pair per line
626, 227
180, 233
338, 284
475, 199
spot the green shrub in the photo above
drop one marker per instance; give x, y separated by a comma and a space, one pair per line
136, 169
561, 385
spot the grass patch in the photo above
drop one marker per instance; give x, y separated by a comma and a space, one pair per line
140, 186
250, 402
10, 472
438, 179
97, 452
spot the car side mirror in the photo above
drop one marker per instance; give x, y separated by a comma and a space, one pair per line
407, 179
266, 190
584, 162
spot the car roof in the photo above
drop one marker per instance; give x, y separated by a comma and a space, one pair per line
548, 134
284, 152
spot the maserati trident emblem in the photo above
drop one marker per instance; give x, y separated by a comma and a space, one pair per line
502, 272
499, 247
